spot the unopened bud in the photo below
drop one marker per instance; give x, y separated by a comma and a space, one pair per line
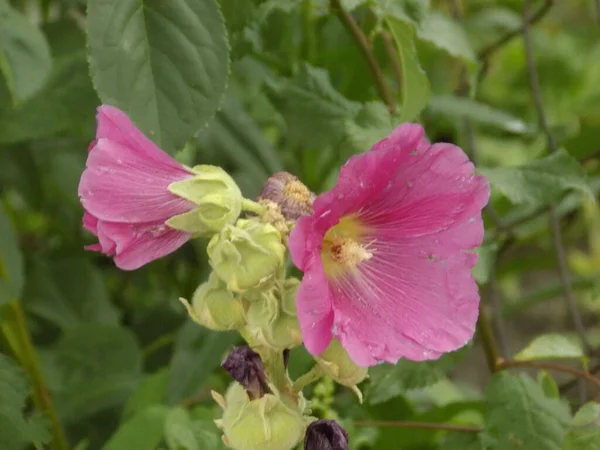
246, 255
246, 367
272, 320
290, 194
218, 198
336, 363
325, 435
268, 423
215, 307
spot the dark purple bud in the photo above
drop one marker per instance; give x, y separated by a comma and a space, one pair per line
290, 194
325, 434
245, 366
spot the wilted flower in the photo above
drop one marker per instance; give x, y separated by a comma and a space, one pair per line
384, 253
325, 435
246, 367
289, 193
141, 203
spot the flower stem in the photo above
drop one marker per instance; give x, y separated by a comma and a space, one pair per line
309, 377
423, 425
17, 335
485, 333
363, 44
502, 365
254, 207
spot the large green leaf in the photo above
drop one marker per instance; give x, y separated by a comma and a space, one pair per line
150, 392
314, 111
372, 123
584, 432
552, 346
539, 182
462, 441
388, 381
163, 62
446, 34
93, 367
182, 432
16, 431
520, 416
143, 431
11, 261
24, 54
415, 85
198, 352
68, 293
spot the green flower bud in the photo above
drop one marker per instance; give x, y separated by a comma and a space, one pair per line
272, 319
268, 423
215, 307
336, 363
246, 255
218, 198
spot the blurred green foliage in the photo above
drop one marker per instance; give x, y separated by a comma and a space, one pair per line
257, 86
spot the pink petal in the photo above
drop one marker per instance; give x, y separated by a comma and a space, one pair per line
120, 184
407, 137
115, 125
90, 223
408, 301
139, 244
314, 308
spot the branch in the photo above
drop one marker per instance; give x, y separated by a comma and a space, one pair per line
569, 384
363, 44
485, 333
502, 365
422, 425
563, 270
486, 52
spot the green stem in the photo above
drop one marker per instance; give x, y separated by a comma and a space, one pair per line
485, 333
252, 206
309, 377
17, 334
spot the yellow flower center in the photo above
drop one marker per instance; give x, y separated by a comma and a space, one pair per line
343, 247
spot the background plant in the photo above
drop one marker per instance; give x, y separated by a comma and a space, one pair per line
93, 357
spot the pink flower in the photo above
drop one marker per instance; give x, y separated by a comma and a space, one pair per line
385, 253
124, 192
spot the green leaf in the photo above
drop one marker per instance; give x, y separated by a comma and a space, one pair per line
461, 107
462, 441
314, 111
552, 346
11, 261
16, 431
548, 384
150, 392
198, 352
584, 432
93, 367
143, 431
415, 85
371, 124
520, 416
68, 293
182, 432
446, 34
389, 381
25, 58
540, 182
164, 63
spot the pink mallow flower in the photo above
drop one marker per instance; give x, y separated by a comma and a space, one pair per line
386, 253
124, 192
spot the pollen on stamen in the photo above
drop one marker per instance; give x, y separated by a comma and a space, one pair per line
348, 252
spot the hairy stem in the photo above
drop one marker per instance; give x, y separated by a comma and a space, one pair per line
309, 377
363, 44
17, 335
582, 374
